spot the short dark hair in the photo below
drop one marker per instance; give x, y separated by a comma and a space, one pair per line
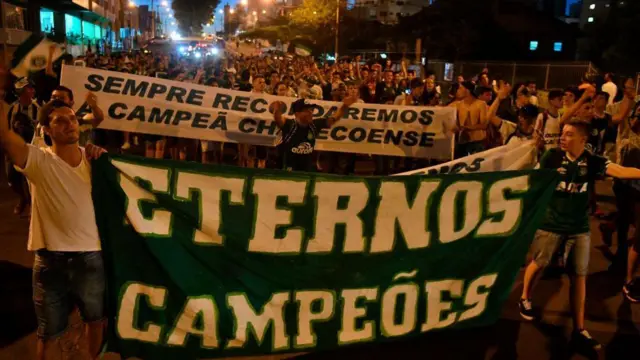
603, 94
529, 112
416, 83
256, 77
574, 90
583, 127
483, 89
44, 115
555, 93
65, 89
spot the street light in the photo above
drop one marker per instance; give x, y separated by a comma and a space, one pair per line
132, 4
165, 3
255, 13
244, 2
264, 11
231, 11
220, 11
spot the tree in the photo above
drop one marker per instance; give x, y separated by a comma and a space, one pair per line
315, 13
192, 15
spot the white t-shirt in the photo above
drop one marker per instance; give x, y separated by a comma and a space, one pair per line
506, 129
611, 89
551, 131
62, 213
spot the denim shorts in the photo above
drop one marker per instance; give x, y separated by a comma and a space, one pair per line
62, 280
578, 246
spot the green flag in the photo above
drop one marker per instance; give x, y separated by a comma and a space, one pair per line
206, 262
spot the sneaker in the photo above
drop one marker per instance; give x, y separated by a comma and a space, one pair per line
582, 339
526, 309
631, 291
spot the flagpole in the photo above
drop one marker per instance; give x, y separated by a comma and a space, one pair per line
337, 28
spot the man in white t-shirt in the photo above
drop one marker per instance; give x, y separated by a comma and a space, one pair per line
610, 87
63, 232
548, 124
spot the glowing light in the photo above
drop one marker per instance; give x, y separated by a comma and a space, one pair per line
175, 36
255, 13
244, 2
231, 11
165, 3
198, 55
132, 4
220, 11
214, 51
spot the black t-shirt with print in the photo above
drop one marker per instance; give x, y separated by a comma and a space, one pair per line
596, 136
298, 141
567, 212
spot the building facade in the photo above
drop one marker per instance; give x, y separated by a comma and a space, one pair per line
388, 11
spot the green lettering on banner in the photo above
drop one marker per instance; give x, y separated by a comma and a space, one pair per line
211, 262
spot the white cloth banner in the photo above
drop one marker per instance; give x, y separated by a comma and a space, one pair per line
515, 156
148, 105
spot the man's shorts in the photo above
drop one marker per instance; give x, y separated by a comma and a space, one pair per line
62, 280
545, 245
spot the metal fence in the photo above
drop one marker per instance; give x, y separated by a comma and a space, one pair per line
546, 76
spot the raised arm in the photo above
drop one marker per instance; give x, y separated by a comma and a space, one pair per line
277, 113
11, 142
588, 94
341, 111
503, 92
625, 106
49, 69
98, 114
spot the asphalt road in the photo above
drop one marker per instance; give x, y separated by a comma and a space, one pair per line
610, 319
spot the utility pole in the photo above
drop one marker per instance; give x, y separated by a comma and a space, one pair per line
337, 28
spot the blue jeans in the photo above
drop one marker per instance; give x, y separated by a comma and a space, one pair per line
546, 243
62, 280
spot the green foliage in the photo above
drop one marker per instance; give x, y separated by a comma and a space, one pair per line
192, 15
315, 13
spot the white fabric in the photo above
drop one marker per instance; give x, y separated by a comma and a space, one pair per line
551, 131
611, 89
62, 215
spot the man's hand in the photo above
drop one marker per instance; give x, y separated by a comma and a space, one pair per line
589, 93
93, 152
92, 100
504, 91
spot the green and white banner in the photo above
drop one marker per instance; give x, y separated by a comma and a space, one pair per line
207, 262
148, 105
514, 156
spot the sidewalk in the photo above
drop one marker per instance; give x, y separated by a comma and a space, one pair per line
611, 320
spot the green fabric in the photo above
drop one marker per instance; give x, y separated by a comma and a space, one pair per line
568, 210
466, 238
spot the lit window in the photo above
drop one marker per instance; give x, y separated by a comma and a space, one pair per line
533, 45
592, 6
590, 19
557, 46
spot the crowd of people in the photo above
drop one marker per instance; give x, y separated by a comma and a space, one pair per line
586, 132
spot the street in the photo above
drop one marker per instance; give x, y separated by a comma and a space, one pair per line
610, 319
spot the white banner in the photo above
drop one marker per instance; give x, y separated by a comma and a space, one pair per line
148, 105
514, 156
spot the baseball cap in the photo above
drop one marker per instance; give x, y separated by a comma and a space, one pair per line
300, 105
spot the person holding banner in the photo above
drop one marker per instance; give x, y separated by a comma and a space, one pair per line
63, 232
299, 135
567, 221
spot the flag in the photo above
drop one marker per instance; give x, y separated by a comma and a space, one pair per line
302, 50
32, 54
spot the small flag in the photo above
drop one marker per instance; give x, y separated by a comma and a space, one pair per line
32, 54
302, 50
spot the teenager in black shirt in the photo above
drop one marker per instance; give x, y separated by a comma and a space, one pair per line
299, 135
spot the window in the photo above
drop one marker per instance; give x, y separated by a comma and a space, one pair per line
533, 45
590, 19
46, 21
73, 25
592, 6
557, 46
